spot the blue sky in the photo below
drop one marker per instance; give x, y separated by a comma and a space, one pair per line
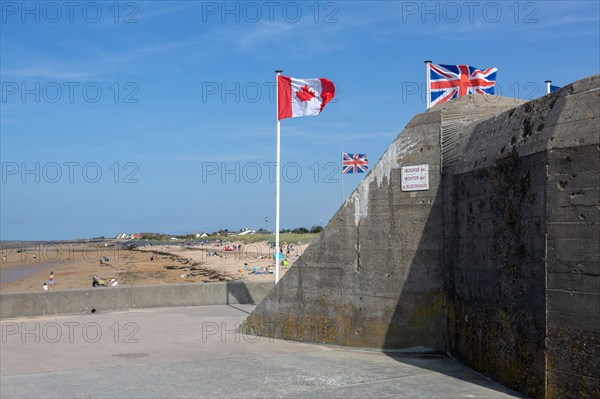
158, 116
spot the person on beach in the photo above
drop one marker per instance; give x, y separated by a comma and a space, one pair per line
51, 280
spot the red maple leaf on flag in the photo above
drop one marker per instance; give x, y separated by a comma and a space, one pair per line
305, 93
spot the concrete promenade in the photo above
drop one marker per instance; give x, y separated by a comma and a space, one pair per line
195, 352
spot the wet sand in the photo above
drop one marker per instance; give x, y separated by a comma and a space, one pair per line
27, 266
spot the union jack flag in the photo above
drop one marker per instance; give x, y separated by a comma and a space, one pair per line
354, 163
451, 81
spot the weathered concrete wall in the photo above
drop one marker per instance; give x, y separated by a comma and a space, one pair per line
79, 301
497, 264
495, 252
523, 288
375, 276
573, 246
348, 285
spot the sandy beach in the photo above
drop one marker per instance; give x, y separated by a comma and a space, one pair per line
25, 267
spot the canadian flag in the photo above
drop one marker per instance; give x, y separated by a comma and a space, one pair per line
302, 97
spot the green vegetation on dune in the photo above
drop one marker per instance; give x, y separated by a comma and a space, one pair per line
283, 237
301, 234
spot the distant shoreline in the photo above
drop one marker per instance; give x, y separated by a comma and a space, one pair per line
11, 244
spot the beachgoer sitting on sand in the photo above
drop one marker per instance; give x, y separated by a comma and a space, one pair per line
96, 282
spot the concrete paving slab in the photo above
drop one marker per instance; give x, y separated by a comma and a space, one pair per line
196, 352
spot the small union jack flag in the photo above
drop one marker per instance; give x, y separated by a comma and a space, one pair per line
451, 81
354, 163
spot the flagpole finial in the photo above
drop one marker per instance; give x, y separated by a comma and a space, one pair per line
548, 81
428, 61
278, 71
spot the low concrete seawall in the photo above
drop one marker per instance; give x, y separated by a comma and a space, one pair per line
80, 301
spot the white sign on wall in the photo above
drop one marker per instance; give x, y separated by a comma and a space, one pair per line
415, 178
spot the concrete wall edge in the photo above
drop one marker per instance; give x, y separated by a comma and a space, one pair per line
111, 299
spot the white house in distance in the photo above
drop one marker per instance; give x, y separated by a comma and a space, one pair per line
201, 234
245, 232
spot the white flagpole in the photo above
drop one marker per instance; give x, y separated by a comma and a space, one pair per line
428, 83
277, 170
548, 86
342, 180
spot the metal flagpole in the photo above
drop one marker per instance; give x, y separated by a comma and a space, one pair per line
548, 86
277, 170
428, 83
342, 180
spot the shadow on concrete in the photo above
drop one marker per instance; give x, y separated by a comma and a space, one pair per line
442, 364
418, 329
238, 293
240, 309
